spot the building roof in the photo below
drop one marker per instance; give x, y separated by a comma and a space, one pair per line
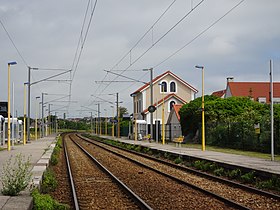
159, 77
254, 89
176, 108
158, 103
219, 93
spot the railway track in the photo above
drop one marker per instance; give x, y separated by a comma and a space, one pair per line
93, 186
159, 190
247, 197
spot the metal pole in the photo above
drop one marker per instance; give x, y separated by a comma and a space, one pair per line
118, 115
152, 96
271, 110
203, 118
91, 122
202, 110
43, 124
9, 111
55, 122
36, 116
49, 119
163, 123
13, 124
28, 107
98, 105
113, 128
106, 123
24, 115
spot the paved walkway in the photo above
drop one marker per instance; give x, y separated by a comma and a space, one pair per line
39, 152
232, 159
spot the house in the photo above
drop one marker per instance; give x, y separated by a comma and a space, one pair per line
173, 90
174, 122
220, 93
257, 91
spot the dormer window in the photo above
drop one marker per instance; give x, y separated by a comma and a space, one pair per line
172, 87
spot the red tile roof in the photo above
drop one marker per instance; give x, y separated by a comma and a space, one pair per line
165, 99
159, 77
254, 89
176, 108
219, 93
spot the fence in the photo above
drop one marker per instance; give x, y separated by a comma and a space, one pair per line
243, 135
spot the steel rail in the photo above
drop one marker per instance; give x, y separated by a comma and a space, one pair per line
200, 173
225, 200
73, 189
141, 203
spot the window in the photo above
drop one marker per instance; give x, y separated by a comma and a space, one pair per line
171, 105
262, 100
163, 87
173, 87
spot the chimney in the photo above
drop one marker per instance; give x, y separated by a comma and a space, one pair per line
230, 79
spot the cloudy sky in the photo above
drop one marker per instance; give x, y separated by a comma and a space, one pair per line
47, 34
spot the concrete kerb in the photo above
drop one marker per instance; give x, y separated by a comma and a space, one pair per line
24, 200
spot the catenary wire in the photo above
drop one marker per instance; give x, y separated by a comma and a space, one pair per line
165, 34
192, 40
142, 37
10, 38
200, 34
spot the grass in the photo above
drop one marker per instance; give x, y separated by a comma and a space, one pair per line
233, 151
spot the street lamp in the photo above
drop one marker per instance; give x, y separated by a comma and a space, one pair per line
113, 127
202, 109
9, 105
36, 116
151, 100
105, 122
163, 124
118, 114
43, 123
24, 113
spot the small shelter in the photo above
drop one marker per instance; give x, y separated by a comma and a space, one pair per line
174, 122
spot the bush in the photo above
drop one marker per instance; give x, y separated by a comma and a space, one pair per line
199, 164
234, 174
16, 175
248, 177
138, 148
46, 202
219, 171
54, 160
146, 149
56, 150
49, 182
178, 160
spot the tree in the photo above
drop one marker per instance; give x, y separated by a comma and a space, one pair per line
123, 110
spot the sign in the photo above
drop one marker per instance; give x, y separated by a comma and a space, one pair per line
152, 108
113, 120
257, 128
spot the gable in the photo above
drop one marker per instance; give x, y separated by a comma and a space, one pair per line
166, 98
161, 77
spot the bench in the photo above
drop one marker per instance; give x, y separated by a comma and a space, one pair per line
147, 137
178, 141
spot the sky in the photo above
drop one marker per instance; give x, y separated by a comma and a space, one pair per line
47, 35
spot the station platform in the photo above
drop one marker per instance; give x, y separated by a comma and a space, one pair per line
39, 152
252, 163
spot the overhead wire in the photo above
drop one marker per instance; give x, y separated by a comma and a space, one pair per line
81, 44
10, 38
200, 34
141, 38
165, 34
192, 40
84, 40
